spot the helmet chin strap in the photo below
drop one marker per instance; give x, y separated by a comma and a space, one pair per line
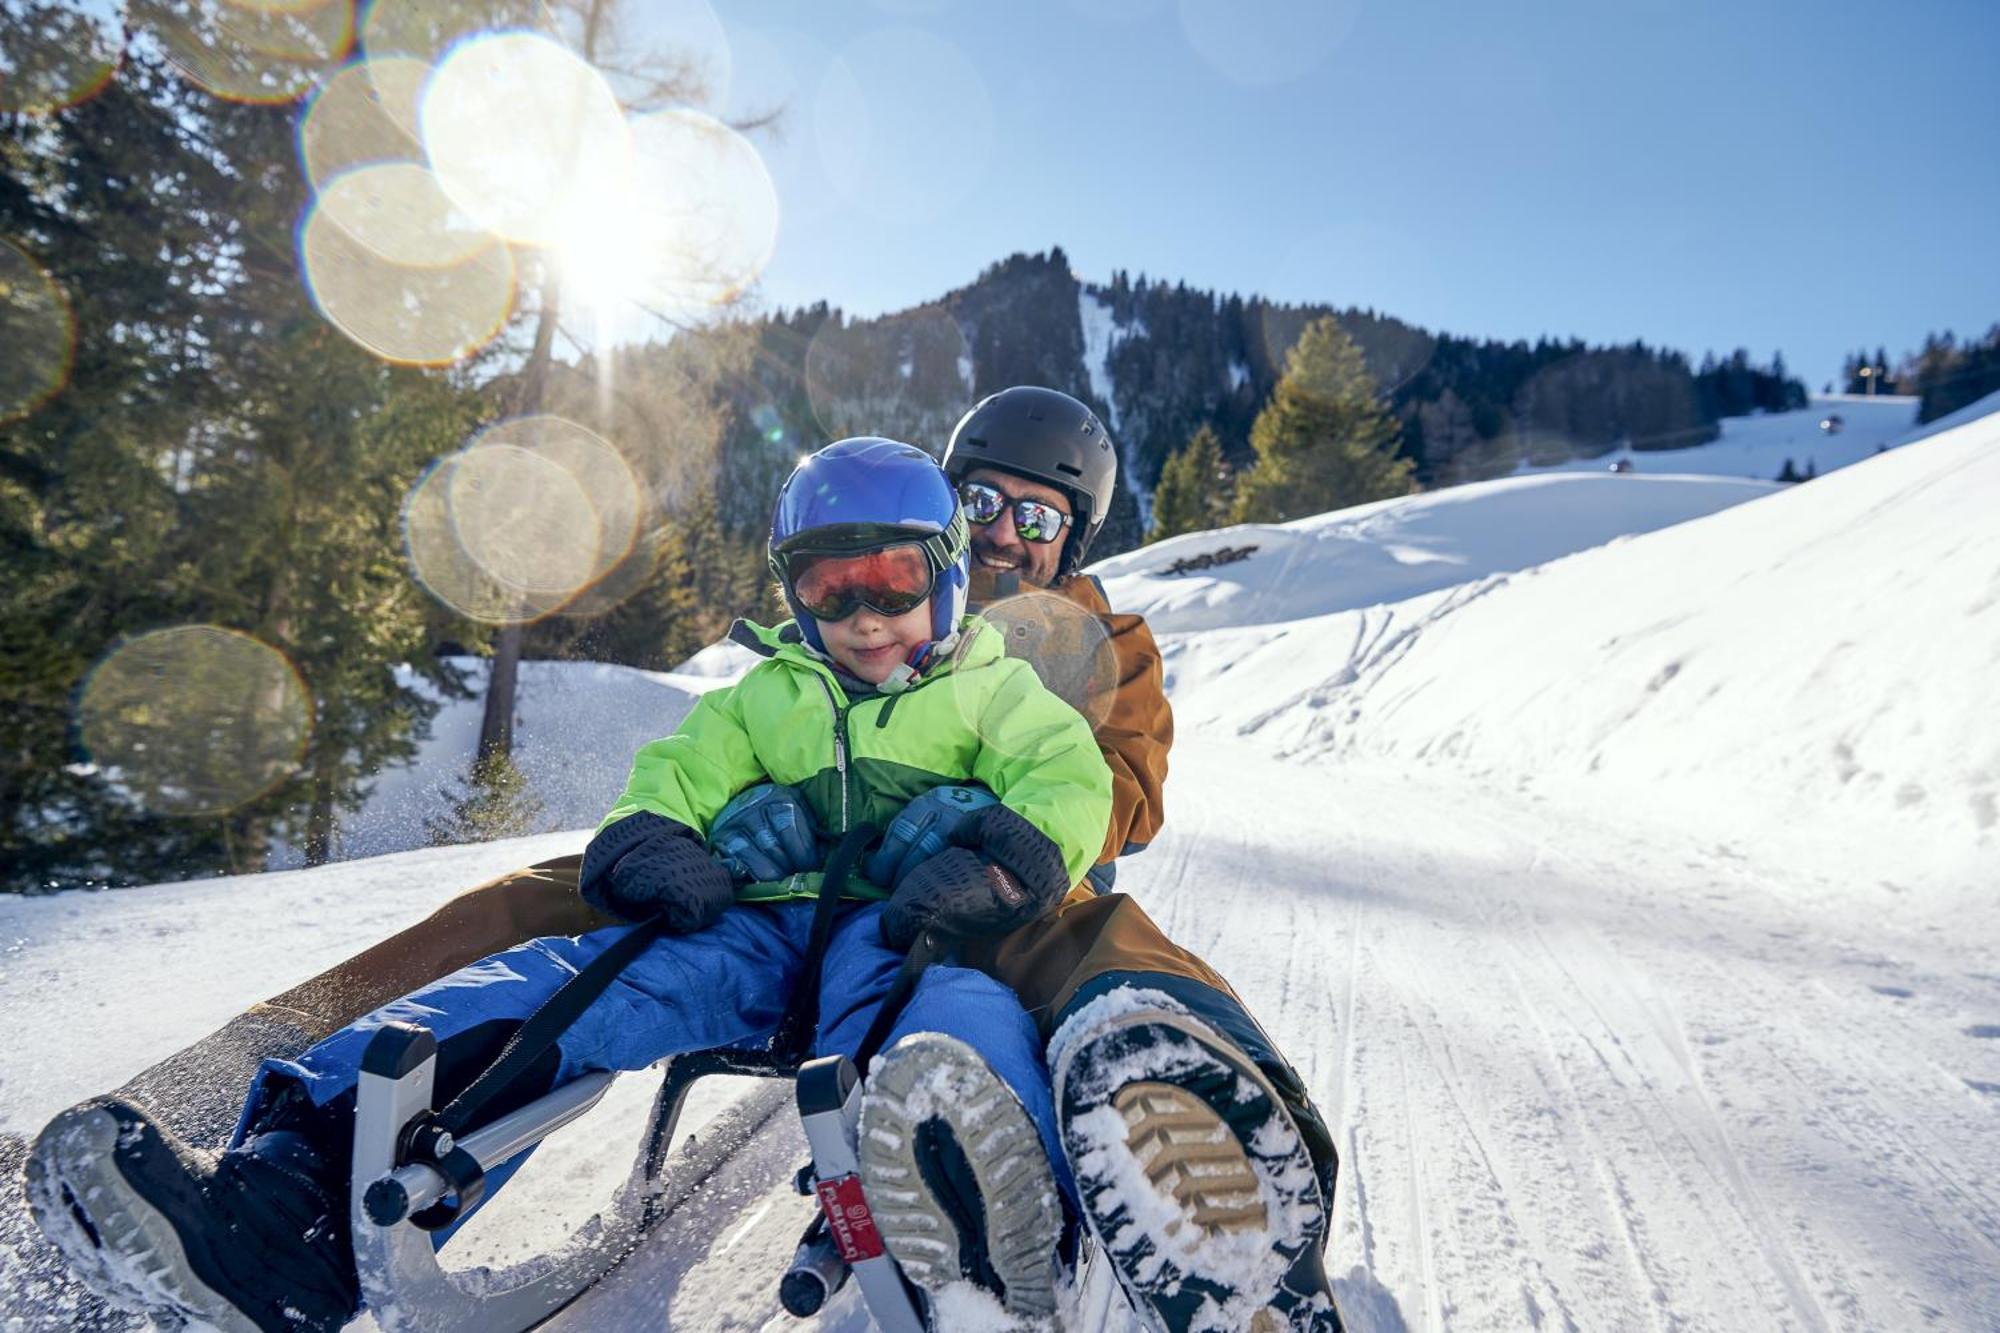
921, 658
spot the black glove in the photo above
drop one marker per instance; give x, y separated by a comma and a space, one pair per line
1007, 875
646, 865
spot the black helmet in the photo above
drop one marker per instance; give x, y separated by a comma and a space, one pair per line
1045, 436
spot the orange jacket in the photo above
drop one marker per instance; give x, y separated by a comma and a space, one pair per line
1137, 730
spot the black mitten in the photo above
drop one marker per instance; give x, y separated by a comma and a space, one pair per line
647, 865
961, 893
1010, 874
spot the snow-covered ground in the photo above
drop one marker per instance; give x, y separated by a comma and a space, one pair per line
1757, 446
577, 725
1627, 903
1395, 549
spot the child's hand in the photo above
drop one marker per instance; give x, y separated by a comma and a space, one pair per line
646, 865
1007, 875
927, 825
766, 833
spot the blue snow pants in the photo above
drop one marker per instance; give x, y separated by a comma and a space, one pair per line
726, 986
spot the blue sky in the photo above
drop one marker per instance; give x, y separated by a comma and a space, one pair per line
1778, 174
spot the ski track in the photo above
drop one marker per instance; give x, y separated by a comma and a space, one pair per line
1586, 1075
1621, 1089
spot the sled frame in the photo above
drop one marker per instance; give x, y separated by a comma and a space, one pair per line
402, 1284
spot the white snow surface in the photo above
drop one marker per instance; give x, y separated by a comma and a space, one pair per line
1757, 446
577, 725
1395, 549
1627, 904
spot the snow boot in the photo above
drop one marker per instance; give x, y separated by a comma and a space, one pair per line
247, 1241
1193, 1176
958, 1181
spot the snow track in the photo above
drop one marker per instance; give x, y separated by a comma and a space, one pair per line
1594, 1076
1587, 1074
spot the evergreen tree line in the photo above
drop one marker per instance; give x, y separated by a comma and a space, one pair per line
1944, 373
217, 454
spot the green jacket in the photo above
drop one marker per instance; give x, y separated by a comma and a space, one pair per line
979, 716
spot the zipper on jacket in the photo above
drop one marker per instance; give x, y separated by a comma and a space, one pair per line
839, 745
888, 706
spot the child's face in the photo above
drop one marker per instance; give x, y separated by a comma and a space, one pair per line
869, 645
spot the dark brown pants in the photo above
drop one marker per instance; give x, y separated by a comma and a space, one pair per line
1045, 963
1089, 944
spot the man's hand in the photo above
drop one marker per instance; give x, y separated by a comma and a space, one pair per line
938, 819
766, 833
646, 865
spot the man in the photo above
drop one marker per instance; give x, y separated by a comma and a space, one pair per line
1155, 1060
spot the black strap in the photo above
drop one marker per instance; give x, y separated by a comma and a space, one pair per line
924, 951
547, 1024
801, 1020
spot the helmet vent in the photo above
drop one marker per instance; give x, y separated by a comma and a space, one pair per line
1070, 468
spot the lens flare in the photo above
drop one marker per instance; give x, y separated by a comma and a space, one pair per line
366, 113
606, 479
194, 720
65, 57
36, 329
1262, 45
690, 228
902, 376
904, 125
523, 133
1071, 653
244, 55
525, 519
400, 212
428, 316
501, 534
425, 29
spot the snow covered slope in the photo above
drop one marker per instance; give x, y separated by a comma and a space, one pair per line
577, 725
1258, 573
1757, 446
1824, 654
1630, 915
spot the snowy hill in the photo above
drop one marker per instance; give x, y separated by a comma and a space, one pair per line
1758, 446
1258, 573
577, 725
1620, 886
1815, 657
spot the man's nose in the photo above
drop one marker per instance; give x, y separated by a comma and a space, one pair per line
1001, 529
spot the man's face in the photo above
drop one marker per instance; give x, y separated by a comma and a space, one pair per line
998, 549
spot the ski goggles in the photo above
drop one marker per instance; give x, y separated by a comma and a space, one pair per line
1035, 520
833, 585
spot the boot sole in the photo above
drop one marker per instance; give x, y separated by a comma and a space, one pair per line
933, 1077
1191, 1157
117, 1242
1215, 1204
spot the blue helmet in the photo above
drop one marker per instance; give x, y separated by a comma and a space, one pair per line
862, 493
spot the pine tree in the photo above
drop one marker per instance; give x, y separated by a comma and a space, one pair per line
220, 456
1196, 490
1324, 441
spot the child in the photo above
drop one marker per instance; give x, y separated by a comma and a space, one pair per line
878, 691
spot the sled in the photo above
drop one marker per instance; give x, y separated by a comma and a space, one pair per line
416, 1168
405, 1189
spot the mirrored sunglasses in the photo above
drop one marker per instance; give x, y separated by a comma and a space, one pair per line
1035, 520
833, 585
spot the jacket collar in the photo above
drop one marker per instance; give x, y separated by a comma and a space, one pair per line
978, 645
